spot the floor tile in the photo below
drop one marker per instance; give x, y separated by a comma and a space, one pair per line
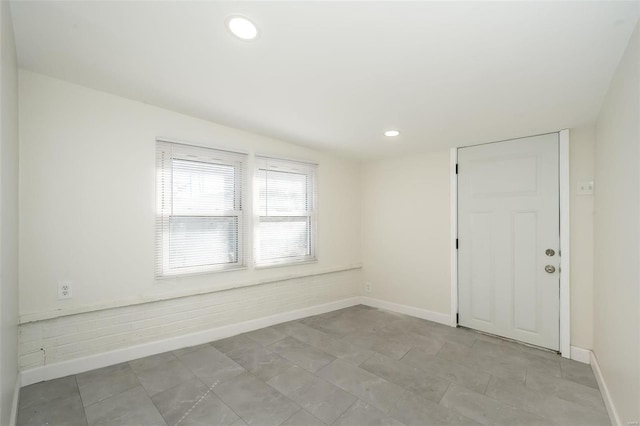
382, 316
332, 328
323, 341
45, 392
301, 354
412, 409
238, 342
184, 351
324, 400
542, 353
417, 381
193, 403
556, 410
488, 411
370, 388
133, 407
210, 410
211, 366
260, 361
59, 411
266, 336
578, 372
468, 377
504, 362
364, 321
255, 401
431, 344
327, 369
547, 366
384, 344
286, 327
416, 325
566, 389
100, 384
293, 381
457, 335
489, 350
450, 348
302, 418
508, 371
483, 359
174, 402
361, 414
159, 372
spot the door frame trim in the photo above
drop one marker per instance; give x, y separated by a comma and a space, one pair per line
565, 239
565, 244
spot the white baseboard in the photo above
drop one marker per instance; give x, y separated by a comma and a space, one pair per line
13, 420
408, 310
91, 362
581, 354
604, 390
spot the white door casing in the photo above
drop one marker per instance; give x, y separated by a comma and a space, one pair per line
508, 216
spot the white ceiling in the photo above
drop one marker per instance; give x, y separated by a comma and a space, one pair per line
335, 75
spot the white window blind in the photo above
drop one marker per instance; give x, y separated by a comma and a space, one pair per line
200, 220
286, 210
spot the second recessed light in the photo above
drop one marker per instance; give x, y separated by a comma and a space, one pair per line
242, 27
391, 133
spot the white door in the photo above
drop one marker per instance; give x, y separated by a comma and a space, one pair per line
508, 239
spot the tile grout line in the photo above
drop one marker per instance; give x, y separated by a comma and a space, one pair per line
196, 404
84, 409
348, 408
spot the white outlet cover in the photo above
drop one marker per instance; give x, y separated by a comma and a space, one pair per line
65, 290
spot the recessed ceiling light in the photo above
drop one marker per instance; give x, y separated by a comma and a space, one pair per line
242, 27
391, 133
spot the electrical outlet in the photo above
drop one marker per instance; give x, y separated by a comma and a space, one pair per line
64, 290
367, 287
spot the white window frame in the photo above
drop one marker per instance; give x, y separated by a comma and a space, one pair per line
166, 152
263, 162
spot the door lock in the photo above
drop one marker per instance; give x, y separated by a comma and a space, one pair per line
549, 252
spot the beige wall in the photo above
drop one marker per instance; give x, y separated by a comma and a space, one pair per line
8, 214
87, 200
406, 232
617, 236
581, 170
406, 244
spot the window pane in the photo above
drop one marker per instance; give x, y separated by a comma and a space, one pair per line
281, 192
202, 241
283, 237
202, 188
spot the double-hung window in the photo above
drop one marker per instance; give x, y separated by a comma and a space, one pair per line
200, 218
285, 198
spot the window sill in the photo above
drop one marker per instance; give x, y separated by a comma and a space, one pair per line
191, 274
281, 265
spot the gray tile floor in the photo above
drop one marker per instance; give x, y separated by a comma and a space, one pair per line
356, 366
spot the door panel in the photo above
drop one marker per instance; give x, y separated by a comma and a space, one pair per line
508, 215
482, 294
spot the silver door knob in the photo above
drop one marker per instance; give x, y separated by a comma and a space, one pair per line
549, 252
550, 269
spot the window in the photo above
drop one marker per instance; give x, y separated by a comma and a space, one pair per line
286, 208
200, 219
